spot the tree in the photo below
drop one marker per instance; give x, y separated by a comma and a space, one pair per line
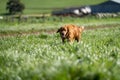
14, 6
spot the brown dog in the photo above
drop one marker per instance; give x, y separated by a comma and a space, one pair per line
70, 32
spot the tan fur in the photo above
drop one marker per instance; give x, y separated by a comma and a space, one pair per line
70, 32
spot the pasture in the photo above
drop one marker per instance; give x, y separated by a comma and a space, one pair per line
42, 56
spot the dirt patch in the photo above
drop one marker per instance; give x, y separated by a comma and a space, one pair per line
101, 26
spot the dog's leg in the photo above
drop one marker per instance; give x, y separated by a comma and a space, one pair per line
70, 40
77, 39
63, 40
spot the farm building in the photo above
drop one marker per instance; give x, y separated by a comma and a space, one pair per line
111, 6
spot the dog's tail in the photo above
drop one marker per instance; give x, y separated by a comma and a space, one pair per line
81, 28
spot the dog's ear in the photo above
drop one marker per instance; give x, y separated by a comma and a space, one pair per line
58, 30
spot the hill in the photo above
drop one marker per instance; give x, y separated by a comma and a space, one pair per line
46, 6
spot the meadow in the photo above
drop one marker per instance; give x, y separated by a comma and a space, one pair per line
44, 57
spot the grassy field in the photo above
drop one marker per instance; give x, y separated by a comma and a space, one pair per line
44, 57
46, 6
53, 23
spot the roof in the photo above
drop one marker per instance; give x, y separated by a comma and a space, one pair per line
106, 7
118, 1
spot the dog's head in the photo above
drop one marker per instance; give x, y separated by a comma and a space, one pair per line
63, 32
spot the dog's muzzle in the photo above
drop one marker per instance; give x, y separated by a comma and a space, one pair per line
62, 35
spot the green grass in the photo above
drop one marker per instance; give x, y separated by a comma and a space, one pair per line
44, 57
46, 6
53, 23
